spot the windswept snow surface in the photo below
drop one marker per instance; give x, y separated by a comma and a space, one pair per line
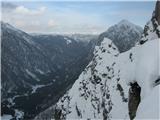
144, 69
149, 107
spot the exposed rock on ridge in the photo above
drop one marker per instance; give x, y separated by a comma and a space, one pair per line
157, 12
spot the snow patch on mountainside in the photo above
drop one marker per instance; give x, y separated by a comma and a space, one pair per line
32, 75
34, 88
68, 41
40, 71
18, 115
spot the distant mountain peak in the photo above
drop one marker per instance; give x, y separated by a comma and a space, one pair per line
124, 21
123, 34
6, 27
5, 24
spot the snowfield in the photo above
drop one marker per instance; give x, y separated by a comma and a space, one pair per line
144, 69
143, 66
149, 107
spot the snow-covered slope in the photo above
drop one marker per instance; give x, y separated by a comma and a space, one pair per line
143, 65
90, 96
98, 90
101, 91
150, 106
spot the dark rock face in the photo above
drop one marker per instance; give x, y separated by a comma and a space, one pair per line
152, 29
134, 99
157, 11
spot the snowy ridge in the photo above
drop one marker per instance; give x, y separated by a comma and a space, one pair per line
98, 90
101, 91
94, 85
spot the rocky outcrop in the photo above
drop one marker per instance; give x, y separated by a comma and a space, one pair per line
134, 99
152, 29
157, 12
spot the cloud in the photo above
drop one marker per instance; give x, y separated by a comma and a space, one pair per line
67, 17
51, 23
37, 18
7, 7
26, 11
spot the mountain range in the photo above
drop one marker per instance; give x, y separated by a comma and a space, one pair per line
38, 69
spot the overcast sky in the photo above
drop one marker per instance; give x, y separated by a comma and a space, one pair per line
73, 17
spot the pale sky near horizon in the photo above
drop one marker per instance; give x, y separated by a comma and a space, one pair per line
74, 17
